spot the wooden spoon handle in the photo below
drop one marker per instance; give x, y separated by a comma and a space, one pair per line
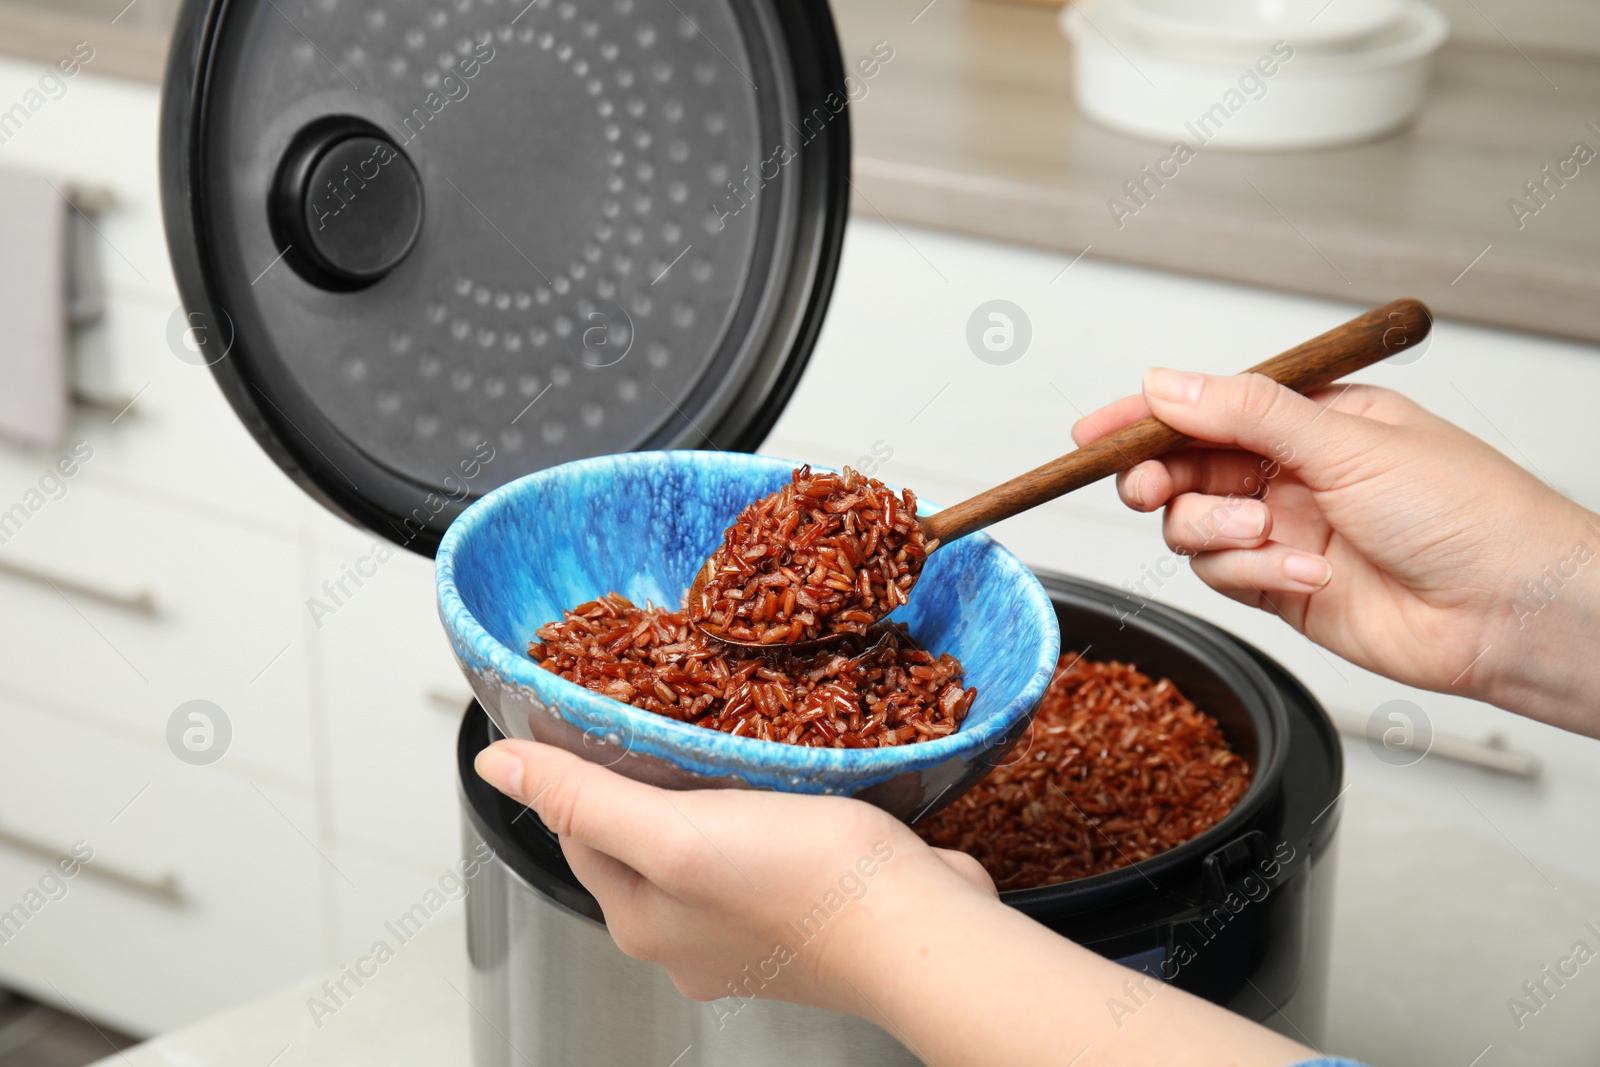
1324, 359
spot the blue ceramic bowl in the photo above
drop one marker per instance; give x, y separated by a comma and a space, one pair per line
641, 524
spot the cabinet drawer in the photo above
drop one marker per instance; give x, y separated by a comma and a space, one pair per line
393, 903
393, 702
201, 889
125, 610
178, 437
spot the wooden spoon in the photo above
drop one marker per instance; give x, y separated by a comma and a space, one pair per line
1382, 332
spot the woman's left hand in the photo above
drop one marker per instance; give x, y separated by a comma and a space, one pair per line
833, 903
735, 892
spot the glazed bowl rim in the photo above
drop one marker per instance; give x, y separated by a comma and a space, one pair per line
698, 746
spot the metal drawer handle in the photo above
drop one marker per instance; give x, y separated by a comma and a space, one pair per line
113, 404
1492, 755
164, 888
139, 602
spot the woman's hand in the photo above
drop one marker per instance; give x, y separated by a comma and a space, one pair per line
735, 892
1376, 528
833, 903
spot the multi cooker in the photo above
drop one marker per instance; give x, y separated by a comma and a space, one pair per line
439, 244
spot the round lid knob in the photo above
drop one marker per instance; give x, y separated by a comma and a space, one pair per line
348, 205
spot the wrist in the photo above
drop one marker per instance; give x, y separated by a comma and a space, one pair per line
915, 896
926, 939
965, 981
1540, 653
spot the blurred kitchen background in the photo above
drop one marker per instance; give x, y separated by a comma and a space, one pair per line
177, 564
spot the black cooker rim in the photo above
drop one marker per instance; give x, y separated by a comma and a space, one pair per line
514, 833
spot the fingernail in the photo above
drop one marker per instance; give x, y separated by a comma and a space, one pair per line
500, 769
1178, 386
1136, 485
1245, 522
1308, 570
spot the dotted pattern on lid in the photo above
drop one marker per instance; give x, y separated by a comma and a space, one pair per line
591, 213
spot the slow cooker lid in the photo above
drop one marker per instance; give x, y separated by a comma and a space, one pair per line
436, 246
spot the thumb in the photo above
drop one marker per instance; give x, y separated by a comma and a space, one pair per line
628, 820
1255, 413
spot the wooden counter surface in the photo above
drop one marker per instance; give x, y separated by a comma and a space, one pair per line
971, 127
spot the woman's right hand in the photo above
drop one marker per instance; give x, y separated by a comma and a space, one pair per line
1380, 531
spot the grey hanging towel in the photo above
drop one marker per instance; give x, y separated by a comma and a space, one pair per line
33, 311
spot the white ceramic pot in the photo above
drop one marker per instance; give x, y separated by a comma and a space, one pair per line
1280, 95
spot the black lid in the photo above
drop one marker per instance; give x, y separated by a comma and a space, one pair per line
457, 241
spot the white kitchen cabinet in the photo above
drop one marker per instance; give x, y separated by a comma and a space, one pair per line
204, 888
392, 699
223, 623
165, 430
382, 901
897, 325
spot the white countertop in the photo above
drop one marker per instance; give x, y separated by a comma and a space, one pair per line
413, 1013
